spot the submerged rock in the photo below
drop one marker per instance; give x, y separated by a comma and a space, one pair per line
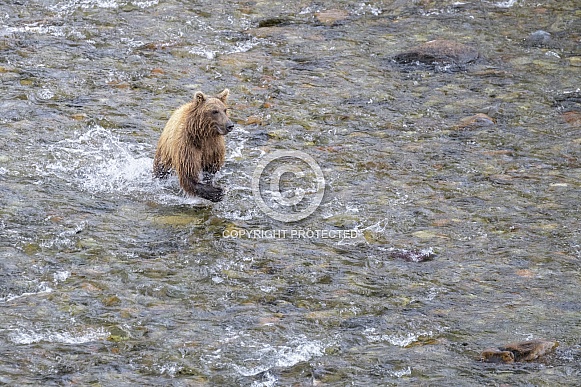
274, 22
518, 352
479, 120
494, 355
413, 255
331, 16
570, 100
441, 52
572, 118
539, 38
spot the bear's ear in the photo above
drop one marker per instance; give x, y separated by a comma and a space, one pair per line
199, 98
223, 96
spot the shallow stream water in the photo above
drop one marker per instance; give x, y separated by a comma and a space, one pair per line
110, 277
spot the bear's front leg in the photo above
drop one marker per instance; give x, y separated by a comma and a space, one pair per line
160, 170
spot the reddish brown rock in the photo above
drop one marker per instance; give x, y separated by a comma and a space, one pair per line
493, 355
530, 350
518, 352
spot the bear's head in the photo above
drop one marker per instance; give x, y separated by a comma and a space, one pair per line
214, 112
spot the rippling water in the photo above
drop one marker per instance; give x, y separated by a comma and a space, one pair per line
111, 277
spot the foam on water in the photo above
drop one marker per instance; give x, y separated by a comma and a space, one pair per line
398, 339
400, 373
29, 336
227, 48
61, 276
113, 4
41, 288
260, 358
298, 350
506, 4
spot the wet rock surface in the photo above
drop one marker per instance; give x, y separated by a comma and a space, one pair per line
439, 52
479, 120
569, 101
518, 352
413, 255
332, 16
539, 38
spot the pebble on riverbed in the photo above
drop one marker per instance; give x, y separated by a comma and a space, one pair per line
518, 352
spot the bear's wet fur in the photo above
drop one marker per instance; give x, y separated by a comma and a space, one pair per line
192, 145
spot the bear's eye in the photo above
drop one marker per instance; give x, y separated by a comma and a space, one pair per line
215, 112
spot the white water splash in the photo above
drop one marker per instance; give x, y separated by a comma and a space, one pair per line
42, 288
262, 357
111, 4
365, 8
282, 356
401, 373
505, 4
224, 48
170, 369
61, 276
98, 161
65, 337
399, 339
36, 29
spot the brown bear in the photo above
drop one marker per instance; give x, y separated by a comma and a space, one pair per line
192, 144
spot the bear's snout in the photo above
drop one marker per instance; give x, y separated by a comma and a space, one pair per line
226, 128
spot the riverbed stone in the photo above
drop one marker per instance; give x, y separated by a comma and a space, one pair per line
539, 38
572, 118
575, 61
439, 51
569, 101
479, 120
530, 350
413, 255
494, 355
331, 16
522, 351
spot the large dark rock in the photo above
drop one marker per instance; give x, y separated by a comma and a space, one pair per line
439, 52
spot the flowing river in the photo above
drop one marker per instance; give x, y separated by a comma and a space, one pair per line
109, 277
